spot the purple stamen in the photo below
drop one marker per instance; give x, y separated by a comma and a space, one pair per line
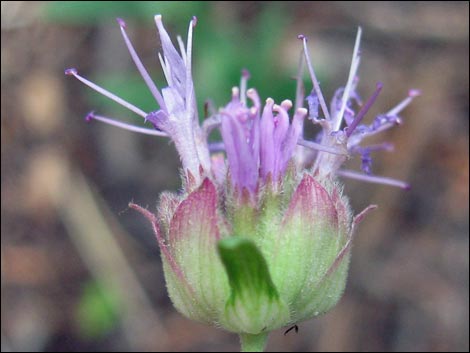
373, 179
286, 104
323, 148
246, 74
189, 50
131, 107
243, 83
350, 129
143, 72
121, 22
166, 68
413, 93
182, 49
293, 134
253, 95
71, 72
91, 116
267, 139
352, 80
299, 87
313, 77
385, 146
243, 164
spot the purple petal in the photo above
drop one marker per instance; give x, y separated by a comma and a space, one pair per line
243, 164
178, 69
267, 140
295, 131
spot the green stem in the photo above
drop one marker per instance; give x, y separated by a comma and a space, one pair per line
253, 343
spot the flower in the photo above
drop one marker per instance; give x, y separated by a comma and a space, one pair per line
260, 236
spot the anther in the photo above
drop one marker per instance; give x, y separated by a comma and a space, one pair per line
71, 72
121, 22
90, 116
286, 104
414, 93
246, 74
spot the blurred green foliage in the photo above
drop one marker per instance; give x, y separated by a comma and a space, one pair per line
97, 310
91, 12
223, 46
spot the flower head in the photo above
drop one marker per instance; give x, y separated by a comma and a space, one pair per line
260, 236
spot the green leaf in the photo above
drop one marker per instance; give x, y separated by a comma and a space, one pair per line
97, 311
254, 305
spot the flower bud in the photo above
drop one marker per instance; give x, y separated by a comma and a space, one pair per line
284, 261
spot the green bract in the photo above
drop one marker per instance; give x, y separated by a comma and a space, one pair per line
254, 264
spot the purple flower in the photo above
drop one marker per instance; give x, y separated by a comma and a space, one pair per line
260, 235
177, 115
259, 142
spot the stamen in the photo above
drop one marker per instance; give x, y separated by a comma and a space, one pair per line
166, 69
299, 87
373, 179
70, 72
121, 22
173, 61
143, 72
189, 51
293, 135
281, 124
379, 126
365, 108
253, 95
315, 82
91, 116
182, 49
351, 78
286, 104
385, 146
235, 93
405, 102
322, 148
131, 107
243, 82
266, 126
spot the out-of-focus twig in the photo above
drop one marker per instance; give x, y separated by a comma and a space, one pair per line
89, 231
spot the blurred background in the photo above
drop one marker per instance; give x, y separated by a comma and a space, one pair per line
80, 272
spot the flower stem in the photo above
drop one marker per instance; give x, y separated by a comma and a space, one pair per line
253, 343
